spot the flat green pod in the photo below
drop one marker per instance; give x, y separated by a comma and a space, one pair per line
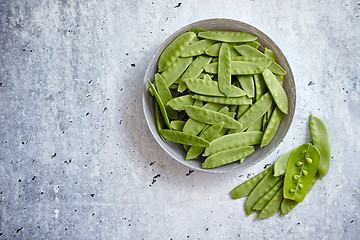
261, 203
272, 127
263, 62
237, 68
165, 95
178, 103
280, 164
244, 189
177, 125
277, 91
260, 86
300, 171
227, 156
173, 73
197, 48
249, 51
256, 111
233, 141
321, 140
161, 105
276, 69
247, 83
184, 138
224, 100
227, 36
211, 88
224, 70
273, 206
211, 117
174, 49
160, 124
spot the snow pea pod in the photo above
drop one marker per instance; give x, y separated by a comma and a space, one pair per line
321, 140
256, 111
272, 206
214, 50
276, 90
241, 110
178, 103
172, 52
171, 74
184, 138
233, 141
248, 51
209, 134
261, 188
270, 54
197, 48
227, 156
244, 189
227, 36
237, 68
247, 83
300, 171
223, 100
271, 127
211, 117
260, 204
263, 62
177, 125
197, 30
160, 103
211, 88
224, 70
260, 86
160, 124
276, 68
280, 164
194, 70
165, 95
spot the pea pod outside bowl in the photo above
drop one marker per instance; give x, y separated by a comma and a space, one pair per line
177, 151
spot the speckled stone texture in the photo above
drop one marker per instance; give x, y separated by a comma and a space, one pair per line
77, 160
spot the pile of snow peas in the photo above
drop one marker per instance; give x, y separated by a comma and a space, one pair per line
284, 184
220, 94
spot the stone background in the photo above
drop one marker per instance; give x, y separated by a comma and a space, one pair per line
77, 160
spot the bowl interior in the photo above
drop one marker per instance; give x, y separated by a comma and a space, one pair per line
176, 150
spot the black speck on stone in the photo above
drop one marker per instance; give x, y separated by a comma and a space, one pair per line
152, 163
54, 155
87, 114
19, 180
249, 175
311, 83
104, 109
92, 195
190, 172
17, 231
352, 221
133, 65
127, 54
33, 178
178, 5
267, 165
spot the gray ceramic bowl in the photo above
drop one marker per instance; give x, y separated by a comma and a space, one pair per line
176, 150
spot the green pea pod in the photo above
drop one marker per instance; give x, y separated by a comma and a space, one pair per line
321, 140
184, 138
209, 134
227, 36
276, 90
171, 74
223, 100
263, 62
177, 125
232, 141
178, 103
256, 126
197, 48
270, 54
160, 124
261, 203
260, 86
237, 68
280, 164
244, 189
174, 49
276, 69
165, 95
197, 30
287, 205
248, 51
224, 70
241, 110
211, 117
160, 103
193, 71
211, 88
261, 188
271, 127
300, 171
247, 83
256, 111
272, 206
227, 156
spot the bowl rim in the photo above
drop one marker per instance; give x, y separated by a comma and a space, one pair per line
289, 79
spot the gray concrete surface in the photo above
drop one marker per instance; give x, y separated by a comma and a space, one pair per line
77, 160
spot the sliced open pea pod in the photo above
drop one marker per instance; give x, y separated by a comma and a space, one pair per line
300, 171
